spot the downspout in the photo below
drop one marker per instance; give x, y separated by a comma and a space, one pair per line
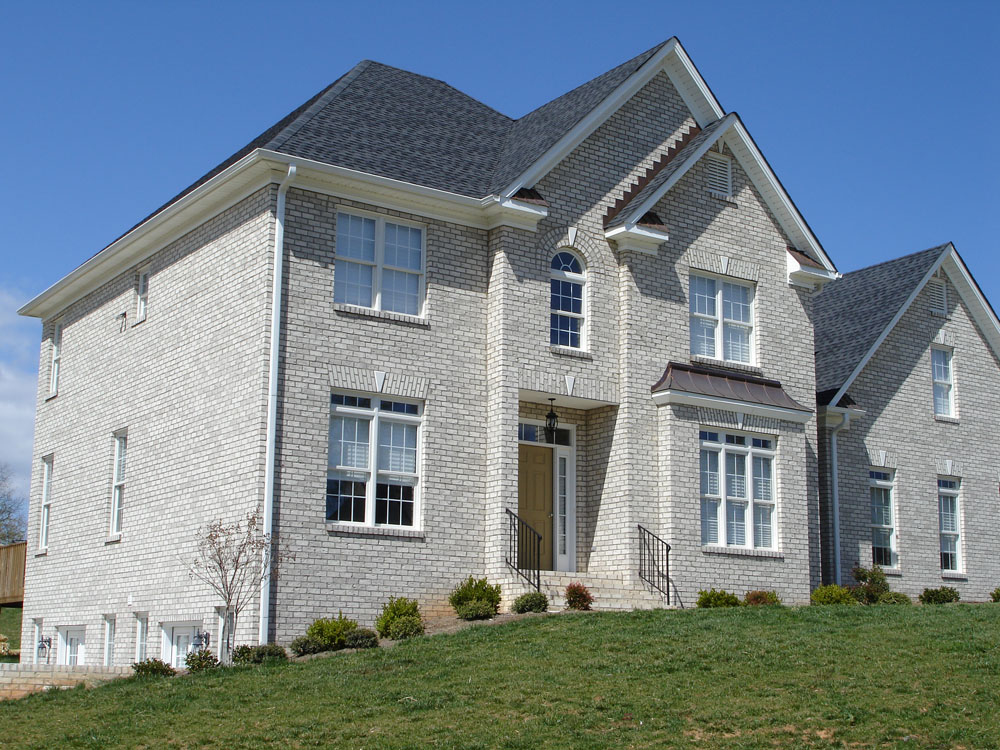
845, 420
272, 394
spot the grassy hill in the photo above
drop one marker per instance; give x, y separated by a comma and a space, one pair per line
823, 677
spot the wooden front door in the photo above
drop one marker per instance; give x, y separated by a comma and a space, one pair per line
534, 495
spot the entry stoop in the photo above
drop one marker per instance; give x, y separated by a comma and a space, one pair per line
612, 592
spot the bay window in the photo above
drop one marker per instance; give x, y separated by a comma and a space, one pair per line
737, 490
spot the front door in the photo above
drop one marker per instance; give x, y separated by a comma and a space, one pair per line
74, 647
534, 495
180, 646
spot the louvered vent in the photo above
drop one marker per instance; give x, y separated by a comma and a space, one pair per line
720, 174
938, 291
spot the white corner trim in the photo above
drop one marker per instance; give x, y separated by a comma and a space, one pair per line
745, 407
638, 239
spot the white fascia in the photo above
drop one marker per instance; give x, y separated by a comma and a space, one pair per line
969, 290
637, 239
807, 276
661, 398
832, 417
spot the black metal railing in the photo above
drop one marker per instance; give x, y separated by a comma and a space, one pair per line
524, 552
654, 561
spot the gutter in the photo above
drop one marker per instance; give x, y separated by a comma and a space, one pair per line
272, 396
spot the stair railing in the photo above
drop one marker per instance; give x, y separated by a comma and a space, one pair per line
654, 561
524, 550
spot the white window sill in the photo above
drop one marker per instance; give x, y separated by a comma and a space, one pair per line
723, 197
568, 351
113, 539
344, 529
892, 571
954, 575
51, 396
742, 552
42, 552
740, 366
368, 312
139, 322
945, 419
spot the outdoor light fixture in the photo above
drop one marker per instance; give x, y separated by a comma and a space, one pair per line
551, 422
44, 647
201, 639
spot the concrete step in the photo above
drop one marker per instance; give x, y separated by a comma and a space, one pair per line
611, 591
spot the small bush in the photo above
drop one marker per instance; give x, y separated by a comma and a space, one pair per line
199, 661
533, 601
305, 645
392, 611
943, 595
872, 584
894, 597
362, 638
578, 597
269, 653
243, 654
995, 595
832, 594
332, 632
407, 626
720, 598
475, 589
761, 598
476, 609
153, 668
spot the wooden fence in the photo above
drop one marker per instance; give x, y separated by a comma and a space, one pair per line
12, 558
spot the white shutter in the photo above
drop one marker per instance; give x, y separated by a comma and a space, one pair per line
720, 174
938, 291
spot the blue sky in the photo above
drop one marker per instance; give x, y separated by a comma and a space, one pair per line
878, 117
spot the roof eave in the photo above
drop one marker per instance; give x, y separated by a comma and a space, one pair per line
672, 396
632, 237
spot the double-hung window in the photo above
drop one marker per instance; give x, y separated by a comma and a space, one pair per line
721, 319
109, 641
54, 364
950, 524
373, 471
141, 636
944, 400
118, 484
141, 296
380, 264
737, 490
43, 520
567, 279
880, 486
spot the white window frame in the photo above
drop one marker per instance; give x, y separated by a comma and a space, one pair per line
142, 296
376, 416
728, 163
880, 483
110, 626
118, 473
55, 362
378, 265
949, 384
954, 493
720, 320
44, 513
141, 636
36, 635
63, 636
167, 640
723, 500
573, 278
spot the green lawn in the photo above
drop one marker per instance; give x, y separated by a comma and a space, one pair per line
859, 677
10, 625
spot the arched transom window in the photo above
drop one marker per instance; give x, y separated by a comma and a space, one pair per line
568, 278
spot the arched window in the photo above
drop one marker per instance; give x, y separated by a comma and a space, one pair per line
566, 319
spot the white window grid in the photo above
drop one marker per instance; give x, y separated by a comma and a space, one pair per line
950, 525
142, 296
882, 503
365, 457
720, 174
118, 484
45, 510
735, 512
56, 360
722, 318
349, 265
141, 636
556, 313
942, 372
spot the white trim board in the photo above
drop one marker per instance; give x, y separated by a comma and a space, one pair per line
745, 407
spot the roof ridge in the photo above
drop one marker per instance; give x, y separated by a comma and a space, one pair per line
942, 247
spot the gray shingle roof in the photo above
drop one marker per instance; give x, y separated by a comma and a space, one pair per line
851, 313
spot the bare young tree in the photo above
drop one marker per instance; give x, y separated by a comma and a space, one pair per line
233, 559
13, 524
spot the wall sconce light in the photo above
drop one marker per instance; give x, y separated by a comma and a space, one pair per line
44, 647
551, 422
201, 639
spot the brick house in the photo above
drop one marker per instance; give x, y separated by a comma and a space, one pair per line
908, 381
432, 341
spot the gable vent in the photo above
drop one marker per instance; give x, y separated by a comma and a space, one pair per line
720, 174
937, 288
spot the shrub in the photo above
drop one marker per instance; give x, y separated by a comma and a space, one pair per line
578, 597
153, 668
720, 598
199, 661
392, 611
832, 594
332, 632
305, 645
533, 601
269, 653
476, 609
407, 626
244, 654
475, 589
943, 595
872, 584
4, 645
894, 597
362, 638
995, 594
760, 598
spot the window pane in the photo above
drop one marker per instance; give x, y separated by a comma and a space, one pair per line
709, 473
948, 513
736, 475
942, 399
400, 292
709, 521
566, 296
736, 343
949, 552
394, 503
703, 295
881, 499
352, 284
345, 497
762, 525
941, 361
762, 489
882, 547
736, 303
402, 247
121, 448
564, 331
355, 237
397, 447
703, 337
566, 262
736, 528
349, 442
